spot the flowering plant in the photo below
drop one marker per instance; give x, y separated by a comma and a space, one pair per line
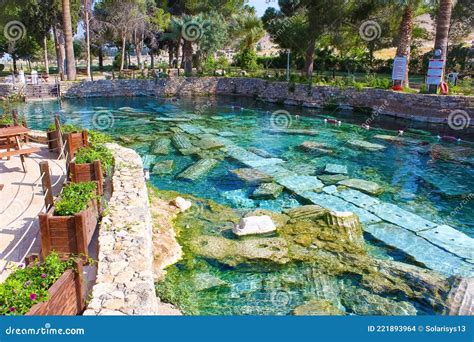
28, 285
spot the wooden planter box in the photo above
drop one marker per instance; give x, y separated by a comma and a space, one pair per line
66, 296
68, 235
74, 142
81, 173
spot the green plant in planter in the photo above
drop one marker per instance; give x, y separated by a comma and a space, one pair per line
66, 128
95, 152
6, 119
29, 285
75, 198
96, 137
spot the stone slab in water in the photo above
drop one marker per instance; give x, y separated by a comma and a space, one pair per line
189, 151
336, 169
148, 160
252, 176
172, 119
264, 162
163, 167
276, 171
396, 215
366, 145
451, 240
226, 134
358, 198
181, 141
190, 129
291, 131
300, 183
368, 187
315, 148
161, 147
209, 144
421, 250
306, 212
337, 204
198, 169
267, 191
332, 179
261, 153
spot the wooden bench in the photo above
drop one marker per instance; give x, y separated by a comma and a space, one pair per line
22, 152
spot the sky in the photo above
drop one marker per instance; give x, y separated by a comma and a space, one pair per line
262, 5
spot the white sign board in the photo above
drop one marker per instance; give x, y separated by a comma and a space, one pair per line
399, 68
435, 72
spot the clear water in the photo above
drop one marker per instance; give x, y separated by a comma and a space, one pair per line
430, 178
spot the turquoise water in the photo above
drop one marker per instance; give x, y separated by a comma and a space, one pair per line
424, 175
430, 178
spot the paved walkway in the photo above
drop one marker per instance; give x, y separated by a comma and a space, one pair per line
21, 200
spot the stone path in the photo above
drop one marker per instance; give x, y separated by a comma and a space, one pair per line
21, 200
438, 246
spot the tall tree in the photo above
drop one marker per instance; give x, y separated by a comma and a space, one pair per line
87, 10
443, 21
67, 27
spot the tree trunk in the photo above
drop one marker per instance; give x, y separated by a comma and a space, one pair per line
404, 45
152, 60
59, 52
188, 57
138, 52
123, 53
15, 68
88, 40
443, 21
170, 55
101, 59
309, 59
45, 47
67, 26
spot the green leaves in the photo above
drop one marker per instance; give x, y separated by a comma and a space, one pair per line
95, 152
75, 198
27, 286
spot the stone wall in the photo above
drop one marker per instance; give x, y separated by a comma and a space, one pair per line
6, 90
125, 280
421, 107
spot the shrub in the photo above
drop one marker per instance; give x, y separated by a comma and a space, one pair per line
2, 67
75, 198
96, 137
247, 59
27, 286
66, 128
95, 152
6, 119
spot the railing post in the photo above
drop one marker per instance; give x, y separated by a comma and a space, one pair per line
15, 117
59, 138
46, 183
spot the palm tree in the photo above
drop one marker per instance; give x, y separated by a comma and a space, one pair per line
67, 27
443, 21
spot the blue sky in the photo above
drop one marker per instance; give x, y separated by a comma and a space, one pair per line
262, 5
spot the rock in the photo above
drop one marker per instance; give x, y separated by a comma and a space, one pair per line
362, 302
238, 198
261, 153
209, 144
161, 147
267, 191
348, 225
163, 168
226, 134
461, 298
291, 131
278, 219
236, 252
206, 281
305, 212
336, 169
254, 225
189, 151
451, 240
317, 307
182, 203
315, 148
252, 175
368, 187
299, 184
332, 179
366, 145
390, 138
198, 169
181, 141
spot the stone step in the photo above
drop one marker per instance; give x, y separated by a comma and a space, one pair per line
299, 184
198, 169
420, 249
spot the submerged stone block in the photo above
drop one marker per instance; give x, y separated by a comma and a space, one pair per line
336, 169
398, 216
451, 240
366, 145
161, 147
181, 141
252, 176
332, 179
368, 187
198, 169
238, 198
254, 225
420, 249
163, 167
267, 191
300, 183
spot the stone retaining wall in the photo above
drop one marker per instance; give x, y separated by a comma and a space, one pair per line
125, 280
6, 90
421, 107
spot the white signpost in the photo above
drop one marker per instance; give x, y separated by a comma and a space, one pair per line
399, 68
435, 72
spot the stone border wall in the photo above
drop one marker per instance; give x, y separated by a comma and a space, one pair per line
125, 280
420, 107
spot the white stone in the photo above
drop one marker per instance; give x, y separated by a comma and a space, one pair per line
254, 225
182, 203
